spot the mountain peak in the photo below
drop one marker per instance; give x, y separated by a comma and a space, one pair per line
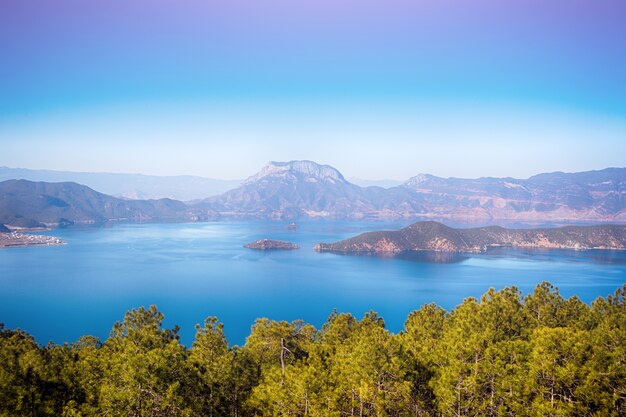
308, 169
419, 179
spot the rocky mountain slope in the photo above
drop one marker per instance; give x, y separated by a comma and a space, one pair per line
304, 189
434, 236
289, 190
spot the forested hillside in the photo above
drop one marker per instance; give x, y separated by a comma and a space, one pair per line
35, 204
505, 354
435, 236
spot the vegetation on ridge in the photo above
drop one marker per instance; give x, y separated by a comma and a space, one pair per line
434, 236
505, 354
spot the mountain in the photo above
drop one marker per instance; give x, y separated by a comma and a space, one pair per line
585, 196
130, 186
288, 190
434, 236
32, 204
304, 189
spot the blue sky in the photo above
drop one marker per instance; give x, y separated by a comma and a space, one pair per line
379, 89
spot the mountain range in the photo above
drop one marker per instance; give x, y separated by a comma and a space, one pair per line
307, 190
304, 189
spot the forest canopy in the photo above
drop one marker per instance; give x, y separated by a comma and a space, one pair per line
505, 354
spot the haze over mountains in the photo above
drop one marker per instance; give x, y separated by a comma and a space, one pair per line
307, 190
143, 187
131, 186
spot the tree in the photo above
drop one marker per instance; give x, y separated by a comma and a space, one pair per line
421, 337
274, 343
556, 370
483, 351
212, 364
143, 366
275, 348
604, 385
89, 367
21, 382
368, 373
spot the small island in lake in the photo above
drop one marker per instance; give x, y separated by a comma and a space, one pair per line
268, 244
437, 237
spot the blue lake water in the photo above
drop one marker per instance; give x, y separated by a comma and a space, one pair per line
191, 271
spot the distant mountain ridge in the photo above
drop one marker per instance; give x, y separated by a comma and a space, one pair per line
129, 186
592, 195
434, 236
34, 204
307, 190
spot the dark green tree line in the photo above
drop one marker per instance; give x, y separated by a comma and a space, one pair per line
503, 355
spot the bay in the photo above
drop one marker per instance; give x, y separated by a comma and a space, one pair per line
191, 271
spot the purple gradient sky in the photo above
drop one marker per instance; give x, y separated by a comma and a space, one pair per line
376, 88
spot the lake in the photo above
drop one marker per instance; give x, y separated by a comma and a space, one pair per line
191, 271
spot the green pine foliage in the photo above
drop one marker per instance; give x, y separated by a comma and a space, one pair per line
503, 355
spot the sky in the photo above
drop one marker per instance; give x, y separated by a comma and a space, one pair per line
379, 89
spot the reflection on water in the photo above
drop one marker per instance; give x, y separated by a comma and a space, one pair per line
598, 256
433, 257
414, 256
546, 255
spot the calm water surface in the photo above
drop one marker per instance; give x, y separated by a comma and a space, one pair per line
191, 271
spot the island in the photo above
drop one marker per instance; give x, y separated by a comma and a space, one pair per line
15, 239
268, 244
437, 237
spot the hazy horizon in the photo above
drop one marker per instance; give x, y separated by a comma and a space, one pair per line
347, 177
378, 90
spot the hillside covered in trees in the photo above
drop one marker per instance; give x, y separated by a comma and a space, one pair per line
505, 354
435, 236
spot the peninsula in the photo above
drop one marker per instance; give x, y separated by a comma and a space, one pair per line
268, 244
434, 236
15, 239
